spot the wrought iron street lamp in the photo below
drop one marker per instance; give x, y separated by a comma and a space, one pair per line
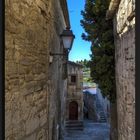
67, 37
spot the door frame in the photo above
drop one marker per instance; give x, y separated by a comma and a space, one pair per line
74, 103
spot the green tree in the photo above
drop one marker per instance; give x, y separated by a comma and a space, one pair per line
84, 62
99, 32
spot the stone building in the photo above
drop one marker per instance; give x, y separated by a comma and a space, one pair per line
35, 89
74, 99
123, 14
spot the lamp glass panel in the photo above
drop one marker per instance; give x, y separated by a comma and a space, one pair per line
67, 40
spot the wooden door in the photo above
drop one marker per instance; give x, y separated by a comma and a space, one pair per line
73, 111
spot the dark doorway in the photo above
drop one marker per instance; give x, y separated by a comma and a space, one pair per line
73, 111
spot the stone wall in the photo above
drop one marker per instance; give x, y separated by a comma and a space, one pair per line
125, 70
124, 35
125, 80
90, 106
32, 85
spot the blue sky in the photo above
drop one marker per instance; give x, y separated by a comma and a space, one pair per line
80, 49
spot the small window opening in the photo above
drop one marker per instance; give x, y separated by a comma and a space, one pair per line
73, 79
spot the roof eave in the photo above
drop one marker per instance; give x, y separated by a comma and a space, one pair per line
65, 12
75, 64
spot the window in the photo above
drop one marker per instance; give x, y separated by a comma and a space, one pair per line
73, 79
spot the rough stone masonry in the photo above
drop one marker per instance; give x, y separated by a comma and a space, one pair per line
33, 87
123, 14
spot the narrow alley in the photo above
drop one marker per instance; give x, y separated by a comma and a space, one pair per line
91, 131
69, 70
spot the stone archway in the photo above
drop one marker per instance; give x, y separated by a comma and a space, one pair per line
73, 110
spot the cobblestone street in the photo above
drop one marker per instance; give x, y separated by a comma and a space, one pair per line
92, 131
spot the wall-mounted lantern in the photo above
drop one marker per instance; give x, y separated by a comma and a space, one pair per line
67, 38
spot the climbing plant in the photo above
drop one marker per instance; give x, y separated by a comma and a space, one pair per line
99, 32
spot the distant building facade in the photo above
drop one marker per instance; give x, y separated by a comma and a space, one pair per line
74, 98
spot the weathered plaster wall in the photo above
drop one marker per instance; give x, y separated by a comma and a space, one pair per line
124, 32
32, 90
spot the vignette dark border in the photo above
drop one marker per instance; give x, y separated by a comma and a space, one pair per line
137, 76
2, 73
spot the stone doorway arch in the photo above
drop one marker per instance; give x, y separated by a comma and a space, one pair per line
73, 110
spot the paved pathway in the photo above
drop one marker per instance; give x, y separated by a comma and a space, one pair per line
92, 131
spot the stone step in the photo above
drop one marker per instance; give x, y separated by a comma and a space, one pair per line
99, 107
74, 128
74, 122
102, 118
102, 115
102, 121
101, 112
74, 125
